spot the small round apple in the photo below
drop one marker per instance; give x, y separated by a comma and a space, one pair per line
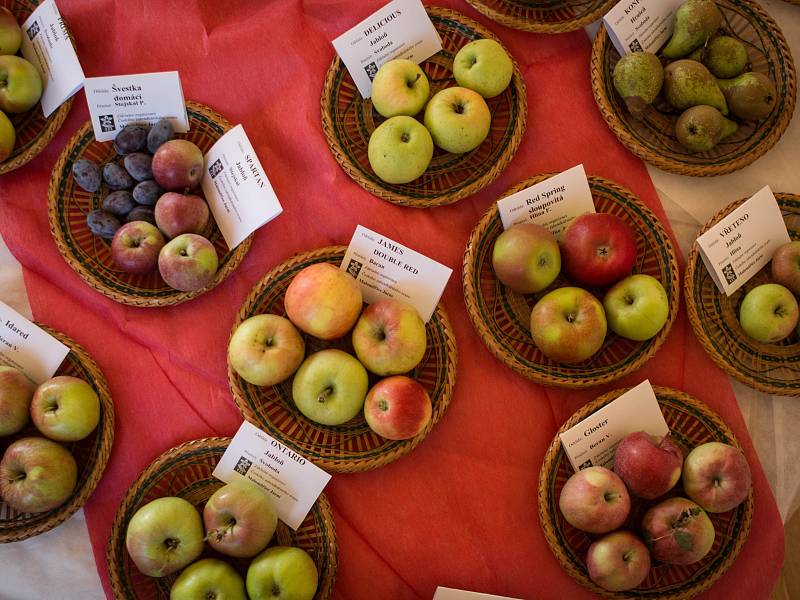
266, 349
181, 213
598, 248
10, 32
389, 337
21, 84
595, 500
240, 519
330, 387
208, 578
716, 476
400, 149
483, 66
36, 475
769, 313
649, 465
526, 258
785, 266
282, 573
636, 307
678, 531
178, 165
397, 408
65, 408
188, 263
135, 247
16, 392
8, 137
618, 561
400, 87
458, 119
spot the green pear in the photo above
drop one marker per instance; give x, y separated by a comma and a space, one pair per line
750, 96
688, 83
638, 78
701, 127
695, 22
725, 57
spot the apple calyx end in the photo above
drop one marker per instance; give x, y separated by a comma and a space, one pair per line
276, 590
171, 543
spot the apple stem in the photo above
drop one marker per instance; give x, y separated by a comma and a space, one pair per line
323, 397
416, 79
219, 533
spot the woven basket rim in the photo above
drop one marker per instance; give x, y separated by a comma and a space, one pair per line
532, 25
354, 172
471, 292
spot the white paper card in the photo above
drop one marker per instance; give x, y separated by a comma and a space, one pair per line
27, 347
401, 29
443, 593
645, 25
551, 203
236, 187
387, 269
593, 441
743, 241
46, 44
292, 482
121, 99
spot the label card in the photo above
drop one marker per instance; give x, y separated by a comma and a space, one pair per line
641, 25
121, 99
236, 188
386, 269
401, 29
551, 203
27, 347
593, 441
443, 593
743, 241
292, 482
46, 44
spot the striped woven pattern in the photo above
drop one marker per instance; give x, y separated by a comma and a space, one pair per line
543, 16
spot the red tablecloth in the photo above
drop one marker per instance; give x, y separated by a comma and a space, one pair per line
461, 509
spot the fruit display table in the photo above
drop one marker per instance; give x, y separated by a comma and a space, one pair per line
460, 510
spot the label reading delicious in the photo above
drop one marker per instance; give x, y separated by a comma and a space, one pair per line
292, 482
46, 44
443, 593
641, 25
118, 100
551, 203
27, 347
593, 441
386, 269
401, 29
743, 241
236, 187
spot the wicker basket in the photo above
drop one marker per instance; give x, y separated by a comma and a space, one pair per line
502, 317
771, 368
653, 139
352, 446
90, 255
348, 121
34, 132
186, 471
691, 423
91, 453
543, 16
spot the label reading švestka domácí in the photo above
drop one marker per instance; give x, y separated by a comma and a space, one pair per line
443, 593
641, 25
27, 347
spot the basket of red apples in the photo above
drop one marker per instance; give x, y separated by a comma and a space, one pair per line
667, 521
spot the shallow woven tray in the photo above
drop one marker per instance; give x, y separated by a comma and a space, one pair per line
502, 317
90, 255
348, 122
91, 453
352, 446
544, 16
771, 368
185, 471
691, 423
34, 132
654, 139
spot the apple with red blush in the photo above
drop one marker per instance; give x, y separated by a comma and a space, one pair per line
16, 392
598, 249
526, 258
178, 165
397, 408
136, 246
649, 465
181, 213
618, 561
188, 262
785, 266
678, 531
595, 500
239, 519
37, 475
716, 476
389, 337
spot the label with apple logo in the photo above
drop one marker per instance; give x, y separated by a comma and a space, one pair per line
641, 25
27, 347
443, 593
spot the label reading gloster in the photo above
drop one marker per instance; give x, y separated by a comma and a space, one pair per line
641, 25
27, 347
443, 593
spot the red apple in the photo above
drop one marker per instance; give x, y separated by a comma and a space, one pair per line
36, 475
397, 408
716, 476
136, 246
678, 531
786, 266
181, 213
649, 465
16, 391
526, 258
618, 561
598, 249
188, 263
595, 500
178, 165
239, 519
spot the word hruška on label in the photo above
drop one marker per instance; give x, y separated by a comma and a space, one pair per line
27, 347
641, 25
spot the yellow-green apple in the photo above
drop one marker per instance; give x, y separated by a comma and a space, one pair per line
785, 266
678, 531
618, 561
323, 300
208, 578
389, 337
526, 258
649, 465
483, 66
8, 137
188, 262
36, 475
266, 349
330, 387
716, 476
178, 165
568, 325
595, 500
181, 213
400, 149
282, 573
458, 119
65, 408
10, 32
135, 247
16, 391
20, 84
769, 312
598, 248
164, 536
636, 307
240, 519
397, 408
400, 87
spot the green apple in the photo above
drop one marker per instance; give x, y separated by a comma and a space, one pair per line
483, 66
8, 137
240, 519
208, 578
282, 573
188, 263
16, 392
769, 313
389, 337
636, 307
65, 409
568, 325
37, 475
10, 32
266, 349
20, 84
330, 387
400, 88
526, 258
400, 149
458, 119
